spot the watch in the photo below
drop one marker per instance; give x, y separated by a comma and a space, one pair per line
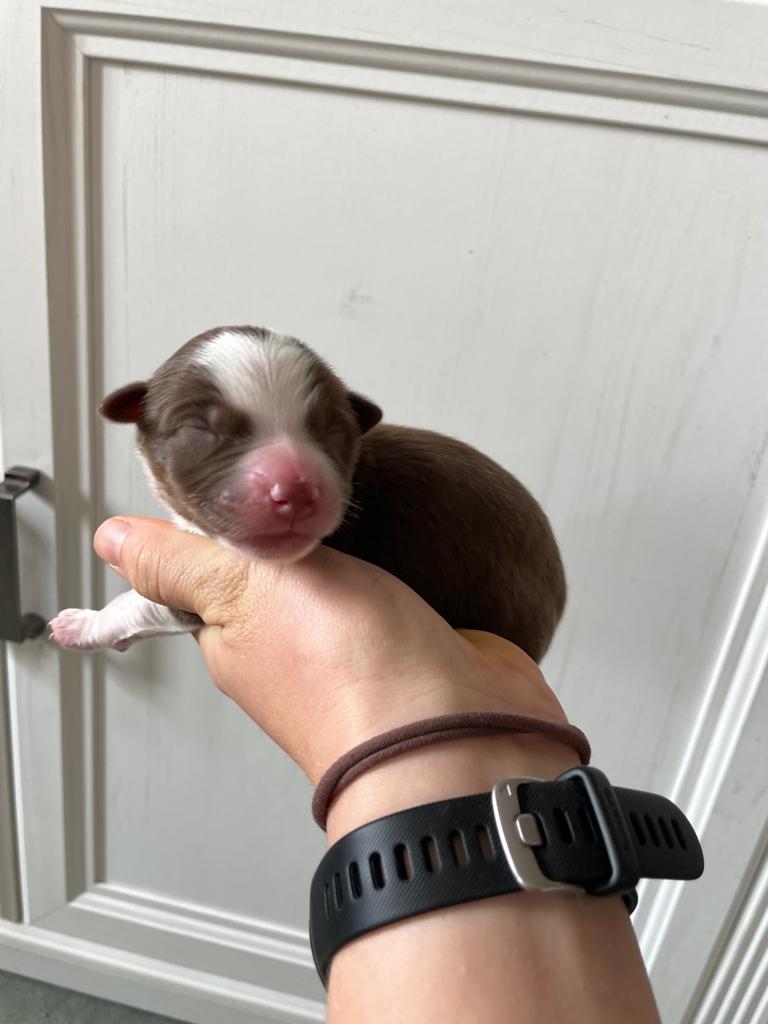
575, 834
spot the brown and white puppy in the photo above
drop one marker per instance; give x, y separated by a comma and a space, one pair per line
249, 437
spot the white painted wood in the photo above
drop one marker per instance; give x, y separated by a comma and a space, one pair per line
102, 970
485, 83
738, 989
10, 887
32, 670
543, 230
10, 900
193, 936
724, 789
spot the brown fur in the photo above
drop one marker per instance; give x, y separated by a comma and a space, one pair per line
460, 531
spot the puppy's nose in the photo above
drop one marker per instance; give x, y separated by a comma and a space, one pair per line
294, 500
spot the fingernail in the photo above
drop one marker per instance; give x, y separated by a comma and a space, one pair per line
109, 538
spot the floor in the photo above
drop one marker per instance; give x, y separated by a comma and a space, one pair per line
24, 1001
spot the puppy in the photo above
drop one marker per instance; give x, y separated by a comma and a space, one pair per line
250, 438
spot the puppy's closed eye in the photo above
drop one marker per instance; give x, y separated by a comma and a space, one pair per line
195, 433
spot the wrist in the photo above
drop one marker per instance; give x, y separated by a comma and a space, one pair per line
450, 769
486, 674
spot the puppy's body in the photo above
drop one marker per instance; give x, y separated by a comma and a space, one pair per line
250, 438
460, 531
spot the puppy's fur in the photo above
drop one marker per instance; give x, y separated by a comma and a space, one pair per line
249, 437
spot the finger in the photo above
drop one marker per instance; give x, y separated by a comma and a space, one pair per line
174, 568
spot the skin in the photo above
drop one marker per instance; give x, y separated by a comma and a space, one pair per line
371, 655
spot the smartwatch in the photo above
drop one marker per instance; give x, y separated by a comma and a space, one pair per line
575, 834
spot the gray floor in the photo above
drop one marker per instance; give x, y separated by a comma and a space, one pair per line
23, 1001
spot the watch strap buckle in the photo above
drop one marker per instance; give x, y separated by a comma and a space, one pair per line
519, 834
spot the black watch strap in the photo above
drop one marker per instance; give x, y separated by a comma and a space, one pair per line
577, 832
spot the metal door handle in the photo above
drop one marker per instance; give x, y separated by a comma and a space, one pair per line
14, 625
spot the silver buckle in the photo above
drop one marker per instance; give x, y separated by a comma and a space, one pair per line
519, 833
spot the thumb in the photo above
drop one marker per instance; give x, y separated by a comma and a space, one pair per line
172, 567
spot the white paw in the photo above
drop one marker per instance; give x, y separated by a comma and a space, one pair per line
75, 628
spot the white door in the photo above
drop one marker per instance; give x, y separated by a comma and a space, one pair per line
541, 227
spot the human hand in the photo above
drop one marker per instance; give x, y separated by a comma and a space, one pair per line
326, 652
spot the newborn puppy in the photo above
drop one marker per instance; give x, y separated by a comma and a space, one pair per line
250, 438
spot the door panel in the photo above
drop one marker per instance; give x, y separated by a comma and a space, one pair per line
550, 243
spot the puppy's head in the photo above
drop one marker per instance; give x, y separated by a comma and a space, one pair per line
249, 437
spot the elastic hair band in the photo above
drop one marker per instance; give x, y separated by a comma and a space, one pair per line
434, 730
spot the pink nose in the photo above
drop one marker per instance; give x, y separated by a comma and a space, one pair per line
294, 500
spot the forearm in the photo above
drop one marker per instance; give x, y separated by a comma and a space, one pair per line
523, 957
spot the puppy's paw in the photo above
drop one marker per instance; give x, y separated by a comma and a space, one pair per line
75, 628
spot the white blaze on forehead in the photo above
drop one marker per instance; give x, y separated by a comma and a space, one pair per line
267, 379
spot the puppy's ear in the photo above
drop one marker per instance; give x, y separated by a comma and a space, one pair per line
126, 404
367, 412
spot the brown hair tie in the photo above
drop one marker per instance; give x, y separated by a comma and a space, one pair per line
434, 730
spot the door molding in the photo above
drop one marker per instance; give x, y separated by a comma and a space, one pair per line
565, 90
10, 882
160, 985
719, 786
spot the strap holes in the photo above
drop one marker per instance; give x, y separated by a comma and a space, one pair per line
338, 895
377, 870
586, 825
327, 901
458, 849
485, 843
354, 881
403, 862
639, 834
679, 833
564, 826
429, 853
664, 829
652, 830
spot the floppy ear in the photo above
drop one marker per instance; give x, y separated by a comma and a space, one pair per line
125, 405
367, 412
